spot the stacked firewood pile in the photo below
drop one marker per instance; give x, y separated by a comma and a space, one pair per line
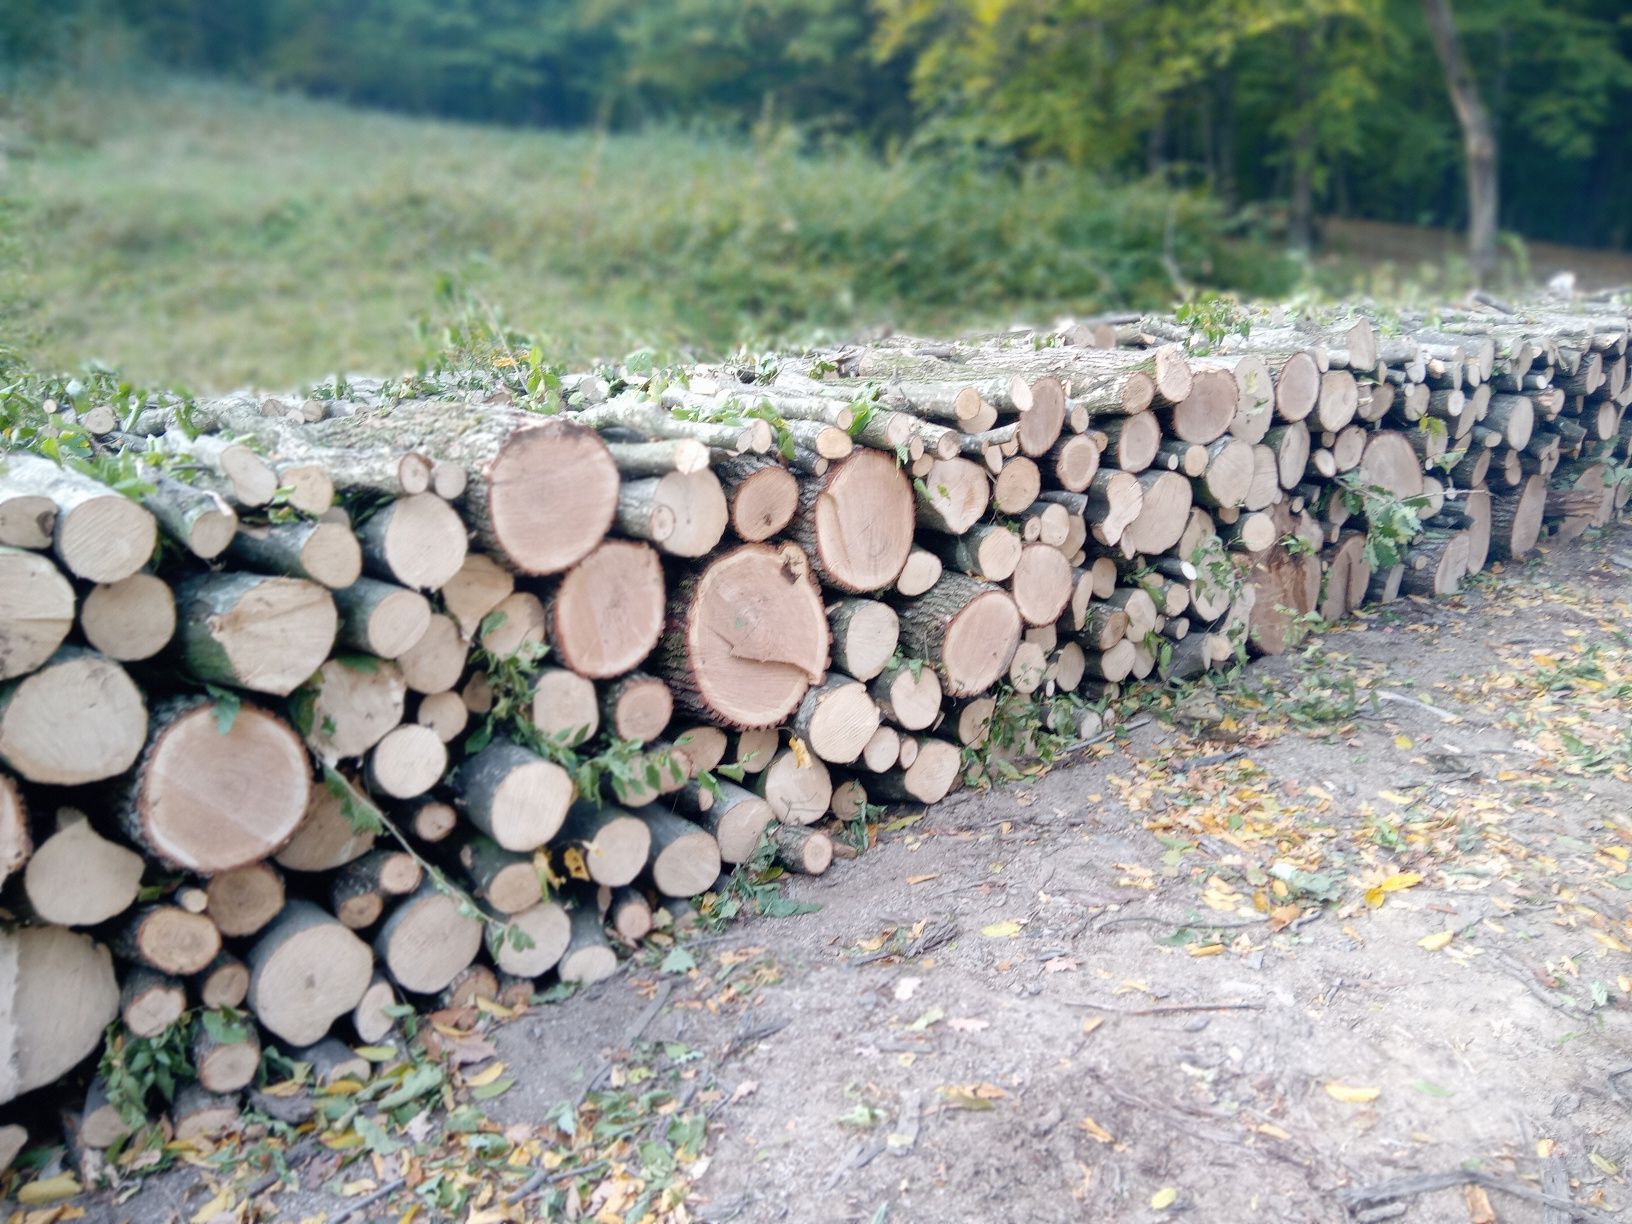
328, 704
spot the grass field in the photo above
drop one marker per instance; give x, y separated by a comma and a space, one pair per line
215, 236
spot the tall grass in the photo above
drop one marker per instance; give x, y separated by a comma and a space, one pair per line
213, 235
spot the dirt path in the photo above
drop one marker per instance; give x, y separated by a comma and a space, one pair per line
1314, 939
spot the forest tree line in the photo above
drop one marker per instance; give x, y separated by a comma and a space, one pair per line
1295, 107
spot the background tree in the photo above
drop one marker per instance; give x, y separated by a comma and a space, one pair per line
1478, 138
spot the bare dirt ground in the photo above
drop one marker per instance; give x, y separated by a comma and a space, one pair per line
1363, 914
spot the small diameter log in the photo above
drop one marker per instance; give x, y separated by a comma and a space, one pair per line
380, 618
201, 521
1227, 478
77, 877
36, 611
987, 551
98, 1125
746, 637
1016, 486
435, 662
407, 762
967, 629
922, 571
480, 586
203, 761
129, 620
418, 542
883, 750
856, 522
849, 800
565, 708
613, 843
358, 892
514, 796
865, 635
443, 713
761, 494
326, 553
637, 707
507, 881
630, 915
16, 845
350, 705
370, 1018
684, 860
836, 719
607, 613
97, 534
588, 958
908, 695
224, 982
150, 1002
1390, 462
78, 718
425, 941
685, 455
806, 851
704, 748
929, 779
1164, 511
532, 942
755, 749
1111, 506
326, 837
332, 1062
27, 520
229, 1062
471, 983
1297, 386
1338, 401
263, 634
198, 1114
952, 496
1439, 562
797, 788
736, 817
57, 994
1072, 462
169, 939
684, 515
1286, 587
1131, 442
243, 901
245, 477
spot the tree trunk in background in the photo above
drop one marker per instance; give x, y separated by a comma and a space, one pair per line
1301, 221
1478, 137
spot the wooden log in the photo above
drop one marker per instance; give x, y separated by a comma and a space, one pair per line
1286, 587
1439, 563
865, 634
1072, 462
1164, 511
533, 941
263, 634
349, 706
1390, 463
443, 713
507, 881
59, 994
418, 542
746, 637
97, 1125
588, 958
371, 1018
928, 779
332, 1063
761, 495
1516, 519
613, 844
382, 619
856, 522
323, 552
97, 534
435, 662
849, 802
684, 455
1042, 584
326, 837
922, 571
224, 982
636, 707
565, 707
802, 850
36, 611
908, 695
517, 624
952, 496
77, 877
243, 901
1027, 668
16, 844
1203, 415
836, 718
78, 718
883, 750
966, 629
359, 890
199, 520
988, 551
630, 915
150, 1002
797, 786
168, 938
1226, 477
736, 817
704, 748
407, 762
424, 942
514, 796
607, 613
198, 1114
1338, 401
480, 586
1132, 442
684, 860
224, 1065
129, 620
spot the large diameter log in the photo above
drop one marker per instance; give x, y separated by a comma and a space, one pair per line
425, 941
326, 553
1286, 587
613, 843
762, 495
36, 611
97, 534
746, 637
837, 718
306, 971
57, 993
1516, 518
856, 522
1164, 511
541, 494
350, 705
217, 789
533, 941
79, 718
1041, 584
929, 779
1390, 463
263, 634
77, 877
588, 957
966, 629
684, 860
243, 901
407, 762
327, 837
607, 614
514, 796
381, 618
952, 495
418, 542
129, 620
865, 634
1207, 411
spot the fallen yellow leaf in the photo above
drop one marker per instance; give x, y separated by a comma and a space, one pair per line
1609, 941
1544, 1148
1397, 882
801, 754
1350, 1095
1273, 1131
1403, 741
1213, 949
1007, 929
1092, 1023
1095, 1131
485, 1076
220, 1203
1602, 1163
924, 879
49, 1190
1436, 941
1164, 1198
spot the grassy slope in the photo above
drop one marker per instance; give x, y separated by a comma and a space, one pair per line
214, 236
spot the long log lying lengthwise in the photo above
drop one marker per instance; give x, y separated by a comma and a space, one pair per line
471, 651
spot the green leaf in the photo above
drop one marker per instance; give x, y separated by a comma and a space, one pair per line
1429, 1088
367, 664
678, 961
488, 1091
227, 704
